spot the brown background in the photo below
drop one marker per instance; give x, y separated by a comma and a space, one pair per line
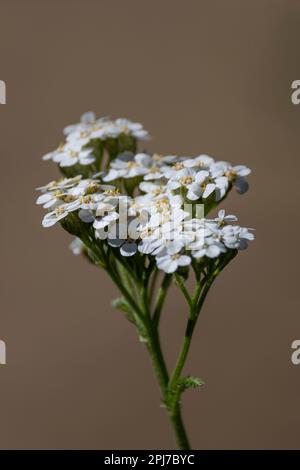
203, 76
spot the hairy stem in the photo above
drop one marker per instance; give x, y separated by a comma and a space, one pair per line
161, 372
161, 298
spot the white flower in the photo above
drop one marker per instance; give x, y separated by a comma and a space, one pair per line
79, 139
236, 237
120, 235
139, 205
61, 184
154, 190
170, 171
106, 214
86, 120
182, 178
98, 222
162, 241
235, 174
127, 165
91, 186
154, 173
56, 154
211, 248
72, 194
51, 199
99, 209
223, 219
195, 231
170, 263
205, 185
166, 210
162, 160
73, 153
149, 243
51, 218
133, 128
158, 166
103, 128
201, 162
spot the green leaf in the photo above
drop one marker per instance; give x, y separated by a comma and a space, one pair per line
189, 382
121, 304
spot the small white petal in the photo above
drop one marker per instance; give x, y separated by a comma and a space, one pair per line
241, 185
86, 216
128, 249
184, 260
209, 190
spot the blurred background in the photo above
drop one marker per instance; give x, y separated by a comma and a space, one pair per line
203, 77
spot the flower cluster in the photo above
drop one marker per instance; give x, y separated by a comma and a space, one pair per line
78, 147
157, 205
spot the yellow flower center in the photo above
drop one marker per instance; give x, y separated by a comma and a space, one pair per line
125, 129
178, 166
112, 192
92, 188
186, 180
69, 198
86, 199
84, 134
59, 210
131, 165
231, 174
58, 193
153, 169
157, 191
73, 154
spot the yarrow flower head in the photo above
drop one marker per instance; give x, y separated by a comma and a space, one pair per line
137, 214
149, 197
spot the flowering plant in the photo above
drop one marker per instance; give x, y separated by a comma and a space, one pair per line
143, 218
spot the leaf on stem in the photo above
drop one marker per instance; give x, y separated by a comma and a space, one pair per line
121, 304
189, 382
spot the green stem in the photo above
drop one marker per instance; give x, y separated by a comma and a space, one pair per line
160, 367
161, 372
158, 362
183, 352
180, 283
179, 429
153, 284
161, 298
148, 326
